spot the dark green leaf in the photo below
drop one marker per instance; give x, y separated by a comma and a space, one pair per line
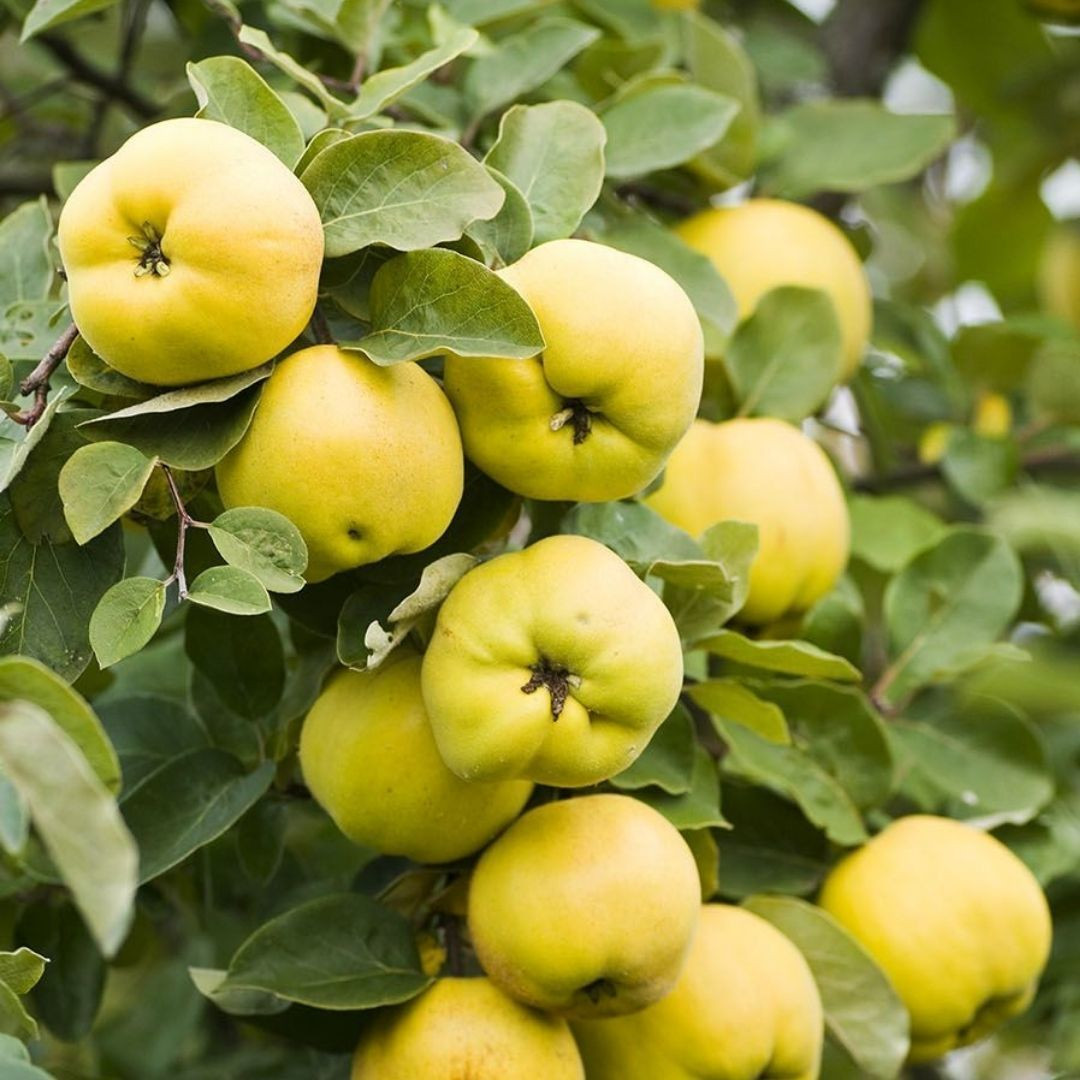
49, 591
26, 270
668, 760
507, 236
187, 803
244, 662
338, 952
698, 808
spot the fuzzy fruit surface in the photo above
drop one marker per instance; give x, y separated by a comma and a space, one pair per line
595, 415
957, 922
1059, 271
466, 1029
744, 1008
370, 760
365, 460
769, 473
554, 664
765, 243
586, 907
191, 254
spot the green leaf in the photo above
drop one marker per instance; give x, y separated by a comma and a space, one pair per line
14, 818
320, 141
785, 657
229, 589
89, 370
76, 817
729, 699
252, 35
984, 756
667, 762
841, 731
210, 982
45, 14
949, 600
189, 439
405, 189
232, 92
244, 663
700, 610
15, 453
15, 1021
888, 530
771, 847
718, 62
785, 358
698, 808
29, 328
337, 952
660, 126
264, 543
635, 532
99, 484
429, 303
436, 581
554, 153
1054, 381
608, 64
524, 61
20, 970
49, 591
850, 145
148, 731
26, 270
187, 397
189, 802
507, 236
978, 467
793, 773
126, 618
862, 1011
707, 290
385, 87
24, 679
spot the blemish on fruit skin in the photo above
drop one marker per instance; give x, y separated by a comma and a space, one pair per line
354, 532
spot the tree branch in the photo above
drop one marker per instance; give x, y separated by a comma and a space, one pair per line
90, 75
863, 41
184, 521
37, 382
1055, 460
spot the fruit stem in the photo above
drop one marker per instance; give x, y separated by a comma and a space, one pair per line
578, 415
556, 679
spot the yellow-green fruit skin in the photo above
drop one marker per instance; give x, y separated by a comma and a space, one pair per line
366, 461
622, 338
957, 922
1059, 273
370, 760
765, 243
585, 907
242, 238
466, 1029
567, 602
769, 473
744, 1008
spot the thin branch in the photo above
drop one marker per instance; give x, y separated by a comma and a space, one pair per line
1039, 461
37, 382
26, 184
357, 76
637, 193
89, 74
184, 521
320, 328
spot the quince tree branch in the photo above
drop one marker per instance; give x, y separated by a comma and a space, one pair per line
37, 382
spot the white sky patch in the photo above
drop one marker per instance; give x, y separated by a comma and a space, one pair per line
912, 89
815, 9
1061, 190
970, 305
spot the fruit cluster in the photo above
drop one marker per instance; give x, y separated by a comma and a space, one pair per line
556, 664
